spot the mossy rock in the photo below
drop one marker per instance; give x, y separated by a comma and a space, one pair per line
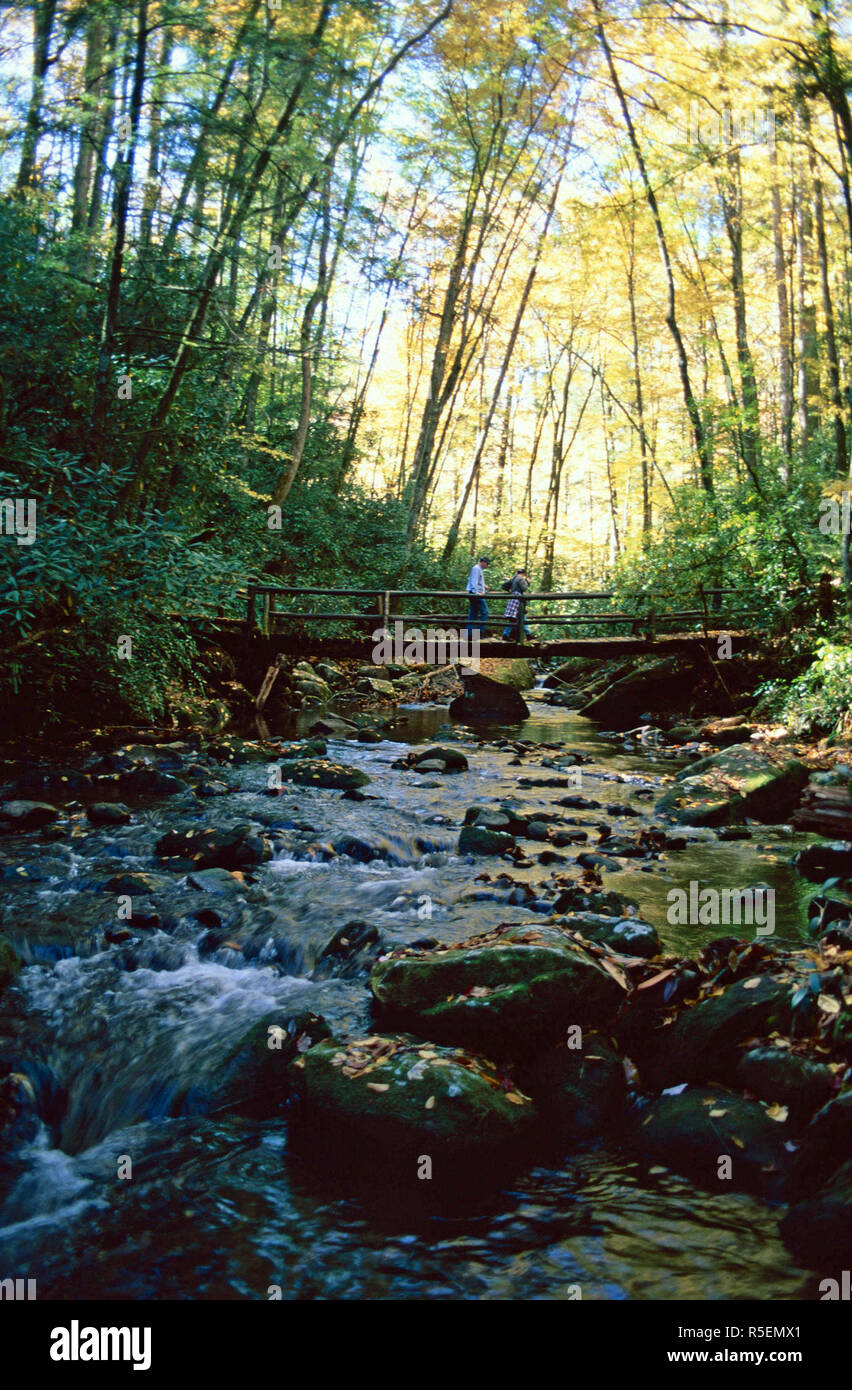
318, 773
777, 1075
506, 993
716, 1138
479, 839
732, 784
388, 1101
630, 936
703, 1043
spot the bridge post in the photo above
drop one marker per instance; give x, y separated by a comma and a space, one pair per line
267, 610
251, 610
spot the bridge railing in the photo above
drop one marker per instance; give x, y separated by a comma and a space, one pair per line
269, 608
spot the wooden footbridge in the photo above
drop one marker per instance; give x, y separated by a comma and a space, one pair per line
294, 620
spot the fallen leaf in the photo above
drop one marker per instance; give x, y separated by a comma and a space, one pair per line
777, 1112
430, 1104
828, 1004
752, 983
378, 1086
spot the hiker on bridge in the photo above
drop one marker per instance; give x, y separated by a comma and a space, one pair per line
516, 608
477, 613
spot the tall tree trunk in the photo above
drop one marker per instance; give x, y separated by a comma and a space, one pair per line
44, 14
121, 201
785, 357
90, 102
731, 196
285, 481
638, 399
835, 392
807, 384
159, 87
104, 121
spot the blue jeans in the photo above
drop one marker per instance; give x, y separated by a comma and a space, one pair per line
477, 614
513, 631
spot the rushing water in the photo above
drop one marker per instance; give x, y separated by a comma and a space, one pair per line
216, 1205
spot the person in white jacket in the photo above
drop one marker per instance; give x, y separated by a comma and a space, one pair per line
477, 613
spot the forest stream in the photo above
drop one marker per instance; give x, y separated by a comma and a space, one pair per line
130, 1040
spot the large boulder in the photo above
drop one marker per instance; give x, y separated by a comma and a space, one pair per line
782, 1077
451, 759
238, 847
481, 839
393, 1105
506, 993
716, 1138
630, 936
703, 1043
493, 691
317, 772
732, 784
664, 685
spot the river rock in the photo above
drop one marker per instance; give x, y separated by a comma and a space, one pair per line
26, 815
368, 685
707, 1132
577, 1091
238, 847
138, 885
149, 781
493, 692
779, 1076
108, 813
816, 863
666, 685
214, 881
306, 748
703, 1043
505, 993
629, 936
451, 759
331, 673
350, 953
388, 1101
479, 839
335, 726
734, 783
254, 1076
723, 732
319, 773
